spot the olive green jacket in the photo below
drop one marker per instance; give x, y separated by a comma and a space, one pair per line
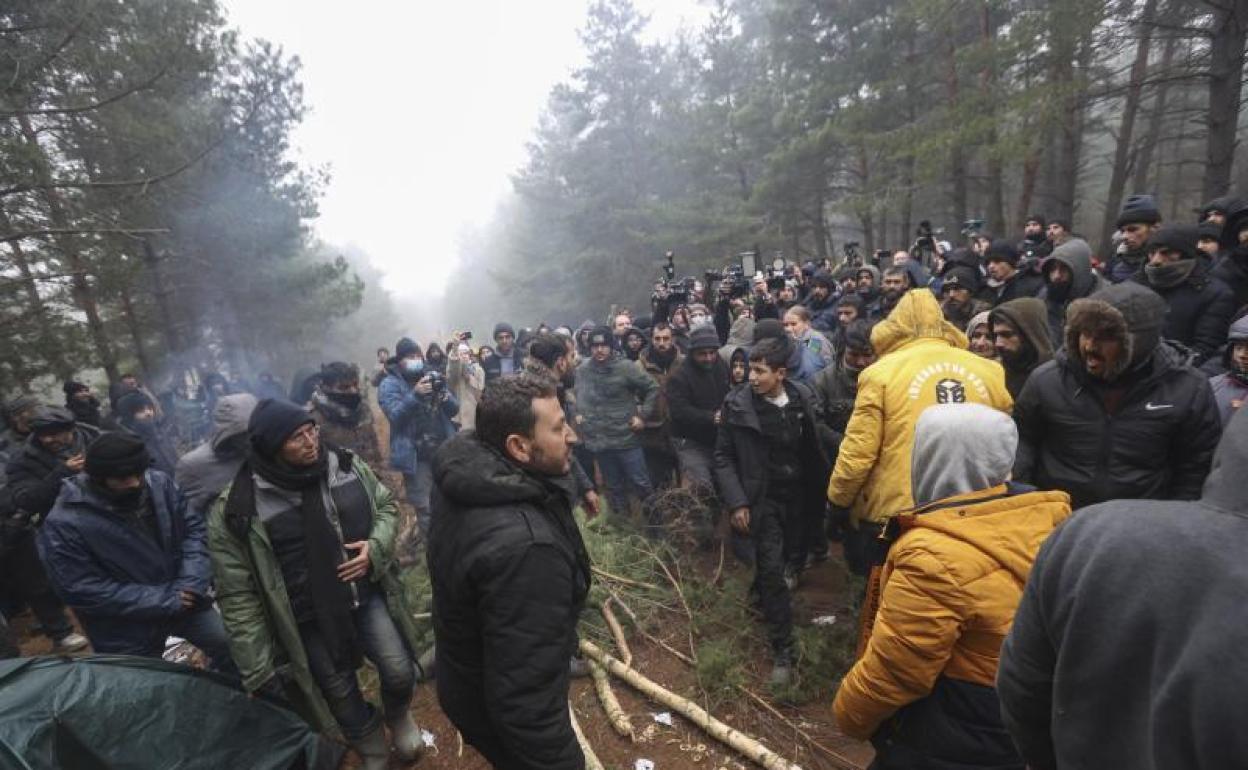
264, 637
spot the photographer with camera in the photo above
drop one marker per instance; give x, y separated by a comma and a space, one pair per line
420, 410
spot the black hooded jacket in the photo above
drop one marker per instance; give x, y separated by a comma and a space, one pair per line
694, 395
1127, 647
34, 474
1150, 433
1200, 310
510, 575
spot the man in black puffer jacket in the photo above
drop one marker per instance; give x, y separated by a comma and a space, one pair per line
510, 575
1117, 413
1200, 304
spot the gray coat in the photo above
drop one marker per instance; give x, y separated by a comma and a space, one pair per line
607, 396
1127, 645
210, 467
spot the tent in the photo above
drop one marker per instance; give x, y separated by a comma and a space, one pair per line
107, 712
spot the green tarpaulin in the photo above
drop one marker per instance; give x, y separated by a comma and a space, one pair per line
109, 712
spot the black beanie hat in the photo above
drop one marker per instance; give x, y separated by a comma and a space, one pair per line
1181, 238
52, 419
601, 335
130, 404
503, 326
1037, 218
406, 347
825, 279
769, 328
1209, 231
116, 454
71, 387
1139, 209
961, 277
1001, 251
272, 422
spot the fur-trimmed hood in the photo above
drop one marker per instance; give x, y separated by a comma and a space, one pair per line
1127, 312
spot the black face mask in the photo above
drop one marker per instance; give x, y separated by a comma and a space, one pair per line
347, 400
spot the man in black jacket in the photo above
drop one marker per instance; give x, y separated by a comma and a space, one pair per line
695, 393
1199, 304
509, 358
1126, 647
510, 575
771, 468
54, 451
1117, 413
1006, 278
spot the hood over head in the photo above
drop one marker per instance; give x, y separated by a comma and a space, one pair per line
916, 316
741, 335
1224, 485
978, 320
1076, 255
1030, 316
873, 270
230, 416
961, 448
1128, 312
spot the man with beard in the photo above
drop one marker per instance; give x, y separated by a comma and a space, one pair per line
345, 420
137, 414
957, 295
1005, 280
55, 450
1118, 413
895, 283
695, 393
1230, 389
510, 575
634, 342
1021, 336
1035, 245
1139, 219
658, 361
86, 407
127, 552
1199, 305
210, 467
1058, 232
868, 290
821, 302
1068, 276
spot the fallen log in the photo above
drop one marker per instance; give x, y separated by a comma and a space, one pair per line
617, 633
591, 759
619, 720
734, 739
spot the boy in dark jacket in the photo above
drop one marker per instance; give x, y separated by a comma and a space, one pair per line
770, 468
510, 575
126, 551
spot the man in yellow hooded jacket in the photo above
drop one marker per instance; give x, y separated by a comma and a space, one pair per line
923, 689
923, 361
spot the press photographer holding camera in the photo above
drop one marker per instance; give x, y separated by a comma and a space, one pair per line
420, 409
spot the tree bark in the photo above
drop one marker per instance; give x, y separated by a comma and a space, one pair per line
80, 288
988, 83
1144, 160
1226, 68
957, 158
43, 319
1123, 154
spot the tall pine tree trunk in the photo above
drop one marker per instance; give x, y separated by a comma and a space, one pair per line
957, 157
38, 308
1226, 68
1157, 113
1126, 127
988, 82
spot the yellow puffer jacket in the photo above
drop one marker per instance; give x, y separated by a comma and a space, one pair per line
923, 361
950, 587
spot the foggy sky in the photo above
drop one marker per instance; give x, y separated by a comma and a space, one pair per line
421, 110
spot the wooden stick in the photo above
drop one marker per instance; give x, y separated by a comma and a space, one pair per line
845, 761
734, 739
610, 704
591, 759
617, 633
680, 594
648, 636
719, 568
602, 573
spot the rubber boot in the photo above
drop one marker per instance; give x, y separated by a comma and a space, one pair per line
372, 749
406, 737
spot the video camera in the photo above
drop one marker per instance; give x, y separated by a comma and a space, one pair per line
924, 246
972, 228
675, 290
437, 381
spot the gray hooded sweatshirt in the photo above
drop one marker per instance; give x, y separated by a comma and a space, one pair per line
210, 467
960, 448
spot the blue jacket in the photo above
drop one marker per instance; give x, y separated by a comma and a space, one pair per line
411, 419
121, 584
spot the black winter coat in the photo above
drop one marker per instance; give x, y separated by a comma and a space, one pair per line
1158, 444
1023, 284
34, 474
1200, 311
740, 463
510, 575
1233, 270
693, 396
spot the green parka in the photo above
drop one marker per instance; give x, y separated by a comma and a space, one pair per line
264, 637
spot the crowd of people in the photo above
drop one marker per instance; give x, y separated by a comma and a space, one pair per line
939, 415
